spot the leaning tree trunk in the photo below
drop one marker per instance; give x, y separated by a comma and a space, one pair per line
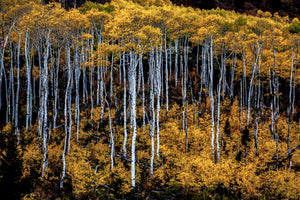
2, 51
257, 55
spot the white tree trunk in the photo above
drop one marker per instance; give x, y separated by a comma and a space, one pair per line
124, 108
56, 89
2, 51
176, 61
152, 110
158, 91
218, 106
167, 75
28, 72
252, 79
77, 79
132, 91
18, 87
211, 95
43, 112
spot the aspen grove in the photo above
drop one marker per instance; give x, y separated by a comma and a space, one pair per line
145, 99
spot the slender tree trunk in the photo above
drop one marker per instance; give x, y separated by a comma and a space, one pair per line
211, 88
186, 128
202, 78
56, 89
255, 136
102, 87
252, 79
271, 103
28, 72
197, 62
244, 94
111, 76
233, 66
18, 88
170, 55
112, 139
158, 91
152, 109
143, 89
276, 104
64, 158
2, 51
84, 78
77, 79
132, 91
43, 114
218, 105
92, 74
124, 108
184, 92
176, 61
167, 75
294, 86
10, 96
69, 93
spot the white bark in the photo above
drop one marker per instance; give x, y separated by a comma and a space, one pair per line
132, 92
167, 75
176, 61
10, 96
84, 78
28, 73
294, 86
61, 184
291, 80
43, 112
111, 76
244, 95
112, 139
218, 106
92, 74
2, 51
257, 56
124, 108
152, 110
233, 66
143, 89
18, 86
77, 79
56, 89
211, 95
158, 91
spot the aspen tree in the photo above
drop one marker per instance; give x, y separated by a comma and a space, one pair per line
3, 42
